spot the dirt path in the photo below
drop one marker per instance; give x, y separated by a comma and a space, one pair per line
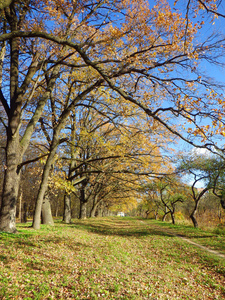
191, 242
200, 246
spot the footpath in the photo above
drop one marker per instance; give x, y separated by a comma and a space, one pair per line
188, 240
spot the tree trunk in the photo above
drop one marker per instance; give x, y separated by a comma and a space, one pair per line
57, 208
20, 217
46, 213
106, 212
83, 210
10, 184
13, 150
194, 212
67, 208
164, 216
156, 214
24, 220
93, 210
95, 206
192, 216
104, 209
43, 189
83, 201
222, 201
100, 210
172, 217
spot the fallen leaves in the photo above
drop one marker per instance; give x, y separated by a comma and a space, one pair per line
134, 260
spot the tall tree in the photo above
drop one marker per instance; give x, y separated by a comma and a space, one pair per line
14, 102
110, 155
27, 72
147, 55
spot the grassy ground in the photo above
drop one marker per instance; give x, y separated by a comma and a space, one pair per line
111, 258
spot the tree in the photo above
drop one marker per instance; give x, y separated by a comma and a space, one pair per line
110, 156
168, 193
26, 69
30, 180
202, 169
150, 202
214, 170
138, 58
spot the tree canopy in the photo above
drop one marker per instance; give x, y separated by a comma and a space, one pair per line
129, 61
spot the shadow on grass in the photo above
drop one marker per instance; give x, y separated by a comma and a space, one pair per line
118, 229
105, 226
125, 228
31, 242
186, 231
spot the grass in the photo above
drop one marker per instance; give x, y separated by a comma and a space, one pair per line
111, 258
213, 238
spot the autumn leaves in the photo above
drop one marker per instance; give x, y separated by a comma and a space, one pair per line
123, 66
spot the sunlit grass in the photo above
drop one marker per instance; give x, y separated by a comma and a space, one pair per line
110, 258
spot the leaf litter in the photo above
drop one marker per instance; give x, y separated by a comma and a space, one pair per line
107, 258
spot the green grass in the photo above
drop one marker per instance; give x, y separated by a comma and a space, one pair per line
111, 258
214, 238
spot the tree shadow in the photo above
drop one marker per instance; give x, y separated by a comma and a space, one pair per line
31, 240
122, 230
195, 236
